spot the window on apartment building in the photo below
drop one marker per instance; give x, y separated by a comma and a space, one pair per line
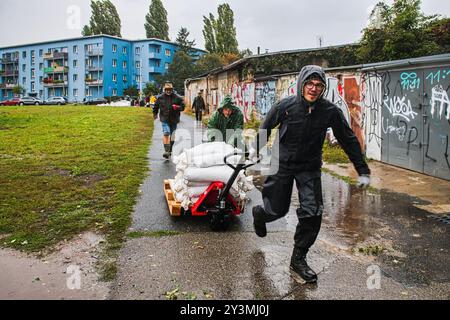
88, 92
41, 66
124, 64
89, 62
24, 67
33, 74
41, 79
24, 80
168, 53
75, 63
114, 77
158, 50
124, 78
114, 92
138, 50
41, 52
75, 92
33, 57
114, 48
138, 64
124, 50
167, 66
75, 49
41, 93
75, 77
33, 88
24, 54
158, 63
138, 78
114, 63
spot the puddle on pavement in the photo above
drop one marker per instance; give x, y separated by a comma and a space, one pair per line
415, 245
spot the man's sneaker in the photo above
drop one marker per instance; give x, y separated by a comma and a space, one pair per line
300, 269
167, 152
258, 221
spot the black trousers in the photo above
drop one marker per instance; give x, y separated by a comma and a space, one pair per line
198, 115
277, 193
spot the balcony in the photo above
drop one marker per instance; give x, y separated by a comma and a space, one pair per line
95, 68
10, 60
154, 55
8, 85
56, 56
55, 83
9, 73
93, 82
56, 70
96, 52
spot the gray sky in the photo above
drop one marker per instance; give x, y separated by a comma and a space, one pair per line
270, 24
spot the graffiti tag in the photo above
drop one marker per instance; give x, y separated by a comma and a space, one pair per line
440, 102
410, 81
400, 107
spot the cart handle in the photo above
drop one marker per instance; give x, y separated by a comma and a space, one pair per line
241, 166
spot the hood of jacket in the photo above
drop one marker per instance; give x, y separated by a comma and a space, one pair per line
305, 73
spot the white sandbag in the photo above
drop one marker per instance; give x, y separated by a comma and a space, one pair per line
218, 173
196, 192
211, 160
209, 148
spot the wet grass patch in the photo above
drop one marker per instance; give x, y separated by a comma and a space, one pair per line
67, 170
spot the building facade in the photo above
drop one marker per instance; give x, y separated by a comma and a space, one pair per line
83, 68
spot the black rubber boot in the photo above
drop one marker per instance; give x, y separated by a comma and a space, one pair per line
167, 151
258, 221
300, 267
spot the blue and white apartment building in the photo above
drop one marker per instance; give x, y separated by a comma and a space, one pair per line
87, 67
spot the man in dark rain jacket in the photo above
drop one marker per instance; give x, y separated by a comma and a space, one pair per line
199, 106
303, 121
169, 105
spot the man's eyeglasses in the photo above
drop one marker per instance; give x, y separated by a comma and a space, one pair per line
319, 85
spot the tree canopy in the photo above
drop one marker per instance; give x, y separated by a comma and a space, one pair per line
104, 19
402, 31
156, 25
184, 44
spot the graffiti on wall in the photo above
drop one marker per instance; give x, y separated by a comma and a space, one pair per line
332, 94
351, 91
243, 96
265, 94
410, 81
440, 103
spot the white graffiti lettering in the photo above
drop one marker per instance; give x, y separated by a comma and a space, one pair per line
440, 102
265, 96
334, 96
244, 97
400, 107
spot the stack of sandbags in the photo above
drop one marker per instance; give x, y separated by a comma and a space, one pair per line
198, 167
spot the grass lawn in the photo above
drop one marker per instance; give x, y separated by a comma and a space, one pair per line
69, 169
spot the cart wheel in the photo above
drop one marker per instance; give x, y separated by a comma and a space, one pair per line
219, 221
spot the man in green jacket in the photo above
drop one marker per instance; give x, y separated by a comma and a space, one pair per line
226, 124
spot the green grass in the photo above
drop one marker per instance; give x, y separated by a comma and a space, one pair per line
334, 154
69, 169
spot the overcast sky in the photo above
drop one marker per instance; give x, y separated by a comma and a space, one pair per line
270, 24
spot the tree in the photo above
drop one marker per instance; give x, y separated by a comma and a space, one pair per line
131, 91
226, 31
220, 33
151, 89
208, 62
156, 25
400, 31
104, 19
181, 69
18, 90
209, 33
182, 41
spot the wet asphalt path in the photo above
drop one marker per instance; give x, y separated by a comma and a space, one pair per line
237, 264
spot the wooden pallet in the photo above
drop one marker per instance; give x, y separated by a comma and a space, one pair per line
174, 206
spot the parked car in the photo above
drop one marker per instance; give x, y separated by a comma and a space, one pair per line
10, 102
56, 101
27, 101
94, 102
